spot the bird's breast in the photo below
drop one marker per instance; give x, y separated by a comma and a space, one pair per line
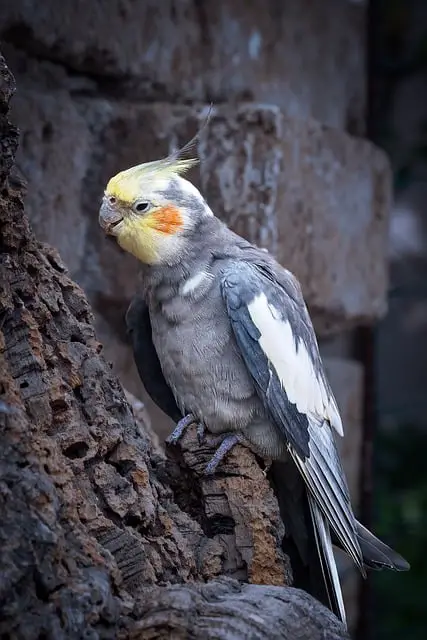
201, 362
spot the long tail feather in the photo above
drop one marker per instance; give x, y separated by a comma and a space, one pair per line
327, 559
300, 530
376, 554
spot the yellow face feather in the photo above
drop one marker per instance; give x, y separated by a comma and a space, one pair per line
139, 240
154, 235
126, 185
142, 237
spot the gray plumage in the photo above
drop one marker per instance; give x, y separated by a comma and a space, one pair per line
233, 342
211, 358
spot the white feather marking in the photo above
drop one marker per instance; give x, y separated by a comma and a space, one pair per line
188, 188
194, 282
292, 362
326, 554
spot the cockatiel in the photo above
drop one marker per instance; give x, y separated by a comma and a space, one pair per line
221, 332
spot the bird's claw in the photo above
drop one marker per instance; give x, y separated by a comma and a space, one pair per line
228, 442
267, 468
182, 425
225, 441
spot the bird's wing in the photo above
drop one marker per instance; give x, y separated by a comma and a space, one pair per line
278, 344
147, 362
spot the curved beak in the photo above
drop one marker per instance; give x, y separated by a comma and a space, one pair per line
109, 218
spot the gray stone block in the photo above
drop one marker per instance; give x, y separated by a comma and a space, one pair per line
346, 378
315, 197
54, 157
307, 57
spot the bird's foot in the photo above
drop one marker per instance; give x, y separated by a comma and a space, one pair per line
228, 441
267, 467
182, 425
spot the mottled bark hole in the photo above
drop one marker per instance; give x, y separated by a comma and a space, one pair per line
187, 493
58, 405
133, 521
76, 450
124, 467
219, 525
41, 588
77, 390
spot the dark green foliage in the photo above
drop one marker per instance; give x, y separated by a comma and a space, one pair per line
401, 520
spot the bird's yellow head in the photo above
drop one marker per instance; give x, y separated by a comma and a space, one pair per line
151, 209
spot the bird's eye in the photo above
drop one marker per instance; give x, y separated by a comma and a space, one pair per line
141, 207
112, 200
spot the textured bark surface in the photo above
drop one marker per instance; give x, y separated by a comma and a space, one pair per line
101, 536
226, 610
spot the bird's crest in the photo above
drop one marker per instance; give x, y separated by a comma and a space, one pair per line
126, 185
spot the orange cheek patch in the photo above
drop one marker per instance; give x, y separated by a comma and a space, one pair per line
167, 220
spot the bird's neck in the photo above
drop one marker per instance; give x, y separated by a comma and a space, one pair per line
164, 281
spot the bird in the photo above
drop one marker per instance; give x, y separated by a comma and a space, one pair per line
222, 337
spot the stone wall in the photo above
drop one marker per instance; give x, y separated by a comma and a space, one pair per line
103, 85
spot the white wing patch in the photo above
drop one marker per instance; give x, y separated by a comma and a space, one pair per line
293, 364
195, 282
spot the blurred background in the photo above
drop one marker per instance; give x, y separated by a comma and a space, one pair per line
316, 150
397, 121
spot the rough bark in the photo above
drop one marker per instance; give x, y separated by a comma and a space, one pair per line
102, 536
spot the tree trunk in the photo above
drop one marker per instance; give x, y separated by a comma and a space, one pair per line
101, 535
